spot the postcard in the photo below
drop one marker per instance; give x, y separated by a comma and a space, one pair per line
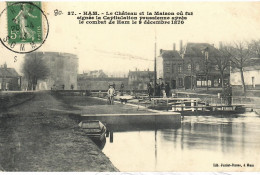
129, 86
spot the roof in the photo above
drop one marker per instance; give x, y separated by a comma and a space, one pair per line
141, 73
8, 72
198, 49
170, 54
248, 68
251, 65
253, 62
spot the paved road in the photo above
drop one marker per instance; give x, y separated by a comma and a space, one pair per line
34, 138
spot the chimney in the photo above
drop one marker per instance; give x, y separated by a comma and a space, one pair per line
5, 65
220, 45
174, 46
181, 49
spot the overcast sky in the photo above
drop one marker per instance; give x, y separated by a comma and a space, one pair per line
120, 48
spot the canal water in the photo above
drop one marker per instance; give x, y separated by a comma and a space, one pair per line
197, 143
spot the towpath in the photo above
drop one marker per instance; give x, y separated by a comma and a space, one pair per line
34, 138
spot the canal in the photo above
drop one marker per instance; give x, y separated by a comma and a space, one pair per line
197, 143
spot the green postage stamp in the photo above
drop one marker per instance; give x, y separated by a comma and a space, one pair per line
26, 26
24, 22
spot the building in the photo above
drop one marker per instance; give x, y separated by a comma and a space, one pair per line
138, 80
170, 68
190, 67
251, 75
95, 74
63, 71
9, 79
200, 66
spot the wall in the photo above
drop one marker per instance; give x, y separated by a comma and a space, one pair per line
235, 78
96, 84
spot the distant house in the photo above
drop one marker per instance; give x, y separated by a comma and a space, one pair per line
138, 80
9, 79
95, 74
187, 68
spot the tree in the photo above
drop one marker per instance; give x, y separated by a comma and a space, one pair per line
240, 55
255, 48
34, 68
223, 62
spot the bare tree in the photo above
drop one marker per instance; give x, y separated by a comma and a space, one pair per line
222, 62
34, 68
240, 55
255, 48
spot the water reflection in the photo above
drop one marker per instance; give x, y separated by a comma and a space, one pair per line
196, 142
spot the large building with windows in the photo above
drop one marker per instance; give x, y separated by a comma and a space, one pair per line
190, 67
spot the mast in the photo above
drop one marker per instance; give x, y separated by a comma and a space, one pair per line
155, 72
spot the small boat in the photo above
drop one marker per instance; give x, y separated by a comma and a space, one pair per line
94, 129
123, 98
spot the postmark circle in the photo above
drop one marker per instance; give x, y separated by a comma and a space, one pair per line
24, 27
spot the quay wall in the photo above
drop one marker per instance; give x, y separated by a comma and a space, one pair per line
138, 121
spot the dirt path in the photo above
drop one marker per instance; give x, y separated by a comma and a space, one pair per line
36, 139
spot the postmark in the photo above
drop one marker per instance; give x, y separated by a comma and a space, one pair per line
25, 26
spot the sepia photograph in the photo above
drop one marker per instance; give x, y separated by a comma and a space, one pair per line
113, 86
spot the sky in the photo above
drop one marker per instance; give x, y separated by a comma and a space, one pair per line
119, 48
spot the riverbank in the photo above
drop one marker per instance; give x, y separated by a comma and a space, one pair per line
34, 138
10, 99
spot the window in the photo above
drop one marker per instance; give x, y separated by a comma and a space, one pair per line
180, 82
173, 67
167, 68
197, 67
189, 67
209, 83
179, 68
253, 82
198, 83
